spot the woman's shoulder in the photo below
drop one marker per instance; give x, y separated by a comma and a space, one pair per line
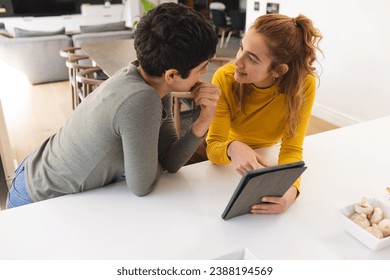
228, 68
310, 86
310, 81
225, 72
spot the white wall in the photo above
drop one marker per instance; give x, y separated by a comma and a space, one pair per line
355, 71
133, 10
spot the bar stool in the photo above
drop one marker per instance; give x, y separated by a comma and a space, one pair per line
178, 99
88, 79
186, 98
74, 66
67, 52
219, 19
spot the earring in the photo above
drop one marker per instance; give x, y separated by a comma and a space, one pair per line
274, 77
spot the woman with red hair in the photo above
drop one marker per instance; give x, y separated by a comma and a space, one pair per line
266, 99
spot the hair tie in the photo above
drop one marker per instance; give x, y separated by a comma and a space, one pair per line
294, 21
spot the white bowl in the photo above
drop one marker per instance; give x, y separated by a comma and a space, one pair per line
360, 233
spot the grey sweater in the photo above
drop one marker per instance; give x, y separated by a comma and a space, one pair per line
122, 128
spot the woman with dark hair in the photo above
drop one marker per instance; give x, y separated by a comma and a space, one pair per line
125, 127
266, 99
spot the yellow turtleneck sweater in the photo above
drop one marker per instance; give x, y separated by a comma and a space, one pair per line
263, 123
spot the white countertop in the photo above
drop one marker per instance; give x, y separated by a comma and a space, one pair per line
181, 218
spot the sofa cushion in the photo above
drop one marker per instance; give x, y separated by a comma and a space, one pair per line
22, 33
114, 26
36, 57
89, 38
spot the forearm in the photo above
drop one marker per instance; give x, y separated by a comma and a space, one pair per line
178, 152
200, 128
217, 151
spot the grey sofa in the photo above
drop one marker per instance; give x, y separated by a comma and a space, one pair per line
87, 38
36, 57
39, 57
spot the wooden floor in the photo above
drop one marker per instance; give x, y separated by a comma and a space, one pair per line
317, 125
33, 113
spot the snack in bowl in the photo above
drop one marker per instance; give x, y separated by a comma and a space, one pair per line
368, 221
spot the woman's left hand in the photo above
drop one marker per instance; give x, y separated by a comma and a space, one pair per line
276, 205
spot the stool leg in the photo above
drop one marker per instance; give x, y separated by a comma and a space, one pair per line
228, 38
222, 38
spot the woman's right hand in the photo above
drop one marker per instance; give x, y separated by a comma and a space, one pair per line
244, 158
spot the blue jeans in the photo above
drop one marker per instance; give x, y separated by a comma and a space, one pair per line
17, 195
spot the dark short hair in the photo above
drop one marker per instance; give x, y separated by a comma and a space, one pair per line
173, 36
